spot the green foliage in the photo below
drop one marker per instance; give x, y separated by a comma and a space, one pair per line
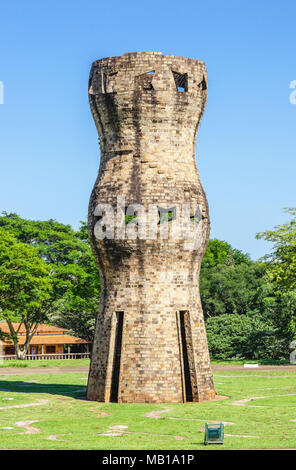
281, 308
24, 278
166, 217
282, 260
130, 218
231, 289
229, 281
281, 272
249, 306
232, 336
246, 317
73, 271
220, 252
25, 287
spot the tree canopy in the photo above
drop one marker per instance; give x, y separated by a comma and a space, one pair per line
232, 289
238, 297
282, 259
281, 272
220, 252
76, 282
48, 274
25, 287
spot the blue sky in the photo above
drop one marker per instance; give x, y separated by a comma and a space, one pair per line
246, 143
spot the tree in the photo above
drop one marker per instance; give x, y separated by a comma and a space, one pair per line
232, 289
281, 272
76, 282
280, 307
25, 289
76, 309
220, 252
232, 336
229, 281
282, 260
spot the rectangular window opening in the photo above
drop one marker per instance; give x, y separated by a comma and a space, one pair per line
181, 81
116, 357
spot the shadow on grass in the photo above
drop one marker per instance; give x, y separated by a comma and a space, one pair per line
73, 391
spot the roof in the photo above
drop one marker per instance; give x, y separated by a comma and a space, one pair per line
45, 334
40, 329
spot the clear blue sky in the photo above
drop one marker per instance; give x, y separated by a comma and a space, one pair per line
246, 143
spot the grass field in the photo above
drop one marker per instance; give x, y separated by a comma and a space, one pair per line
58, 417
86, 362
45, 363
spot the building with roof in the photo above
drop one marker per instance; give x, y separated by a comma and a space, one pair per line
48, 340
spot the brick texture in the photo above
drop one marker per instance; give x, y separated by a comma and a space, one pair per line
150, 342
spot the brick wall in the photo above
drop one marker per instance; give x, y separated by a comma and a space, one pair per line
150, 342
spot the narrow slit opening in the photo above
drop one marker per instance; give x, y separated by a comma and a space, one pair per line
116, 357
186, 367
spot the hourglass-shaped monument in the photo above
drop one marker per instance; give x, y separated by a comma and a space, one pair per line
150, 342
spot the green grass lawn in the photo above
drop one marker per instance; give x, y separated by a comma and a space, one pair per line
86, 362
45, 363
64, 420
261, 362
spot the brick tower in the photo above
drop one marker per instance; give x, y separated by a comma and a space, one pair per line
150, 342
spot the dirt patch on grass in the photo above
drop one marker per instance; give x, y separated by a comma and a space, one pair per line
27, 425
100, 414
244, 401
54, 437
158, 413
122, 430
247, 400
219, 397
40, 401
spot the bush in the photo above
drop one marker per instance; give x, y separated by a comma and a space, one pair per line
232, 289
232, 336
